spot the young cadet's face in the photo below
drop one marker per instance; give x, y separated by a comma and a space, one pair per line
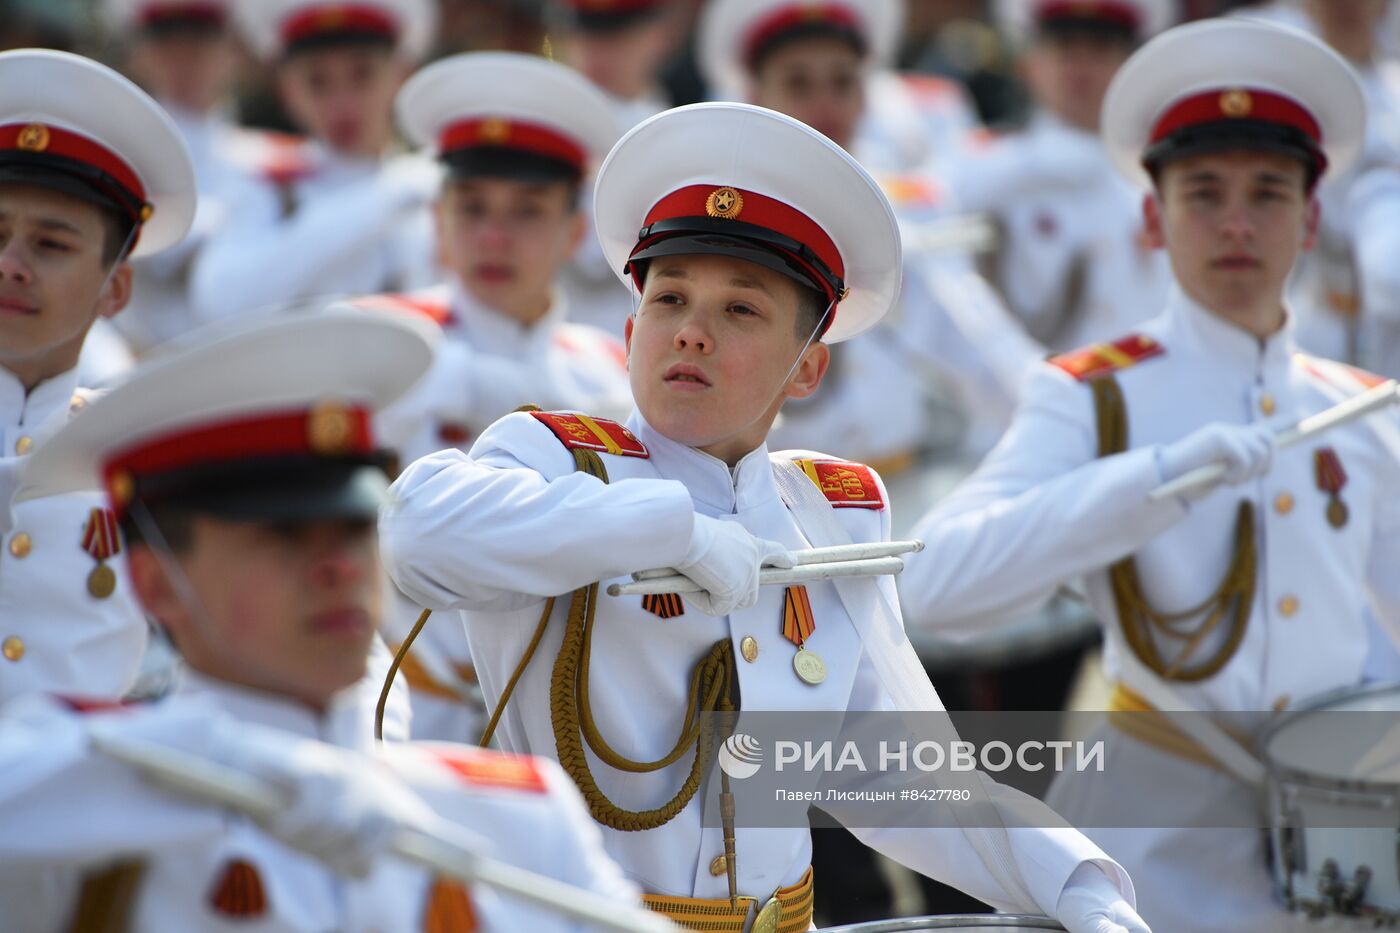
288, 608
1069, 76
505, 240
343, 96
1233, 224
709, 350
188, 69
52, 278
817, 81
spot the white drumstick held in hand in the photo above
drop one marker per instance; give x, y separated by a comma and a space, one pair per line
1359, 406
205, 780
768, 576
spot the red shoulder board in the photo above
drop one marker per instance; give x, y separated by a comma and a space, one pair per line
1330, 370
932, 88
1103, 359
280, 158
846, 485
434, 309
911, 191
478, 767
600, 434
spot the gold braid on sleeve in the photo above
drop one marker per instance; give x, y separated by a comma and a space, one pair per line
1141, 624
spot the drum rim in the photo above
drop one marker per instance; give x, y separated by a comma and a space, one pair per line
1027, 921
1279, 772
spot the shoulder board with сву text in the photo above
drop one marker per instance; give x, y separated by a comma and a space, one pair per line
846, 485
1103, 359
580, 431
479, 767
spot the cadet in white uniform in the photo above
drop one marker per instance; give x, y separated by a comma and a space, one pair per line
337, 213
814, 64
94, 173
245, 473
519, 137
756, 233
1249, 596
185, 54
1072, 263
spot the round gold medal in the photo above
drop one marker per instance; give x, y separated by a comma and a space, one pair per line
767, 919
809, 666
102, 582
1337, 513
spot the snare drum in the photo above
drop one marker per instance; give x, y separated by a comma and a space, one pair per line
973, 923
1334, 805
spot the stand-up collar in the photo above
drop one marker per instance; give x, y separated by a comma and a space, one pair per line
1204, 334
40, 411
347, 723
499, 334
256, 706
716, 489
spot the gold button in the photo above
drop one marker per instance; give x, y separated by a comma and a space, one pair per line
21, 544
12, 648
719, 866
1288, 605
1283, 503
1266, 404
749, 648
24, 445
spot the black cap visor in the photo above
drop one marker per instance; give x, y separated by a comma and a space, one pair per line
1226, 135
604, 21
184, 25
341, 39
70, 177
506, 162
715, 244
1092, 28
274, 489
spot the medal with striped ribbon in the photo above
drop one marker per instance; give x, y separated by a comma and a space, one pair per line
798, 626
101, 540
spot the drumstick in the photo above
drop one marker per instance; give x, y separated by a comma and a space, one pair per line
206, 780
820, 555
768, 576
1356, 407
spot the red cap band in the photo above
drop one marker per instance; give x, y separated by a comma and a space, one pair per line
511, 134
1121, 14
729, 203
154, 14
792, 17
338, 17
42, 139
327, 430
1236, 104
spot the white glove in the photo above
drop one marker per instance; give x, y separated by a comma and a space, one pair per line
1246, 450
724, 558
337, 806
341, 808
1091, 903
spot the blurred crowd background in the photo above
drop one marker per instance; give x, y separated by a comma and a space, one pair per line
952, 38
